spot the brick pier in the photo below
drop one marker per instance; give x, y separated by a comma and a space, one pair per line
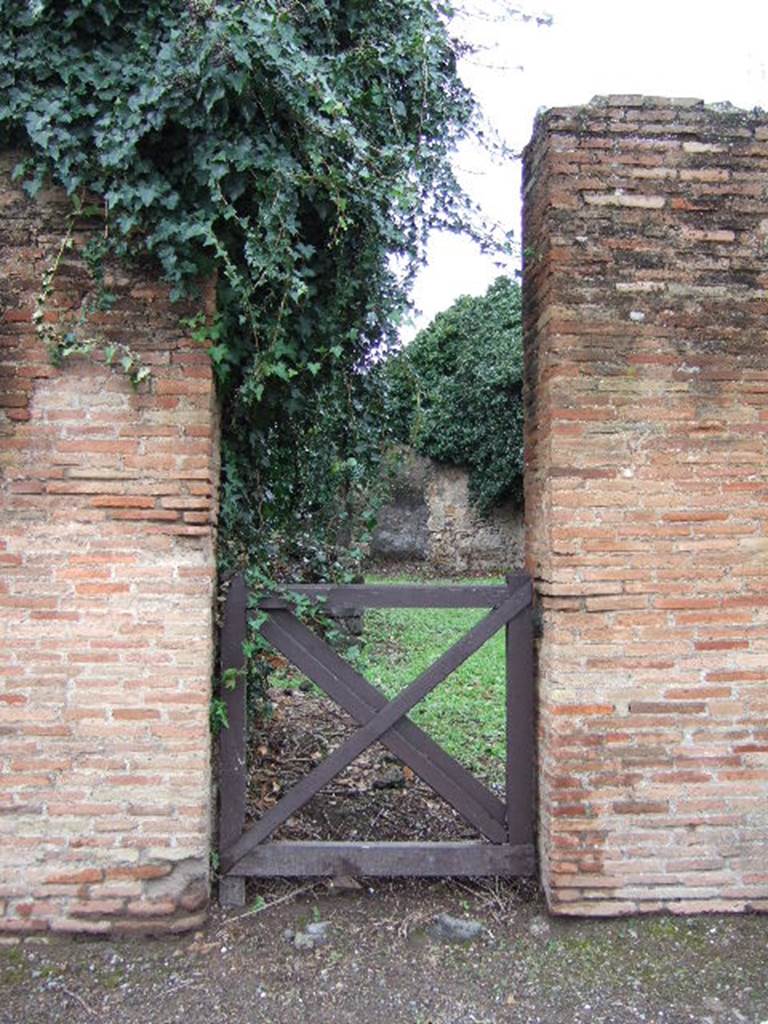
646, 277
108, 500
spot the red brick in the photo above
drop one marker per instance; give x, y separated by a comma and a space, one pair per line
697, 692
583, 709
84, 877
686, 603
145, 514
737, 677
96, 908
122, 501
640, 807
647, 399
722, 645
135, 714
143, 872
667, 708
151, 908
95, 598
101, 590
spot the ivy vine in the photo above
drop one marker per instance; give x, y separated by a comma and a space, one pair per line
300, 151
76, 337
295, 148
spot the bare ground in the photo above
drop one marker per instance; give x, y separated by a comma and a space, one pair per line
380, 964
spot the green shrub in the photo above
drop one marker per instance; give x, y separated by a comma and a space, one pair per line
455, 393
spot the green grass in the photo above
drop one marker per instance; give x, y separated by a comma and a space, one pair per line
465, 713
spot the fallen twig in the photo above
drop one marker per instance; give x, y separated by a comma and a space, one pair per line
268, 906
79, 998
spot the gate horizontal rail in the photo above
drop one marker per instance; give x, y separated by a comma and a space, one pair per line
507, 826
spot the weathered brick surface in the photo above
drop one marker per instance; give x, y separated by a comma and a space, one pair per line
108, 503
647, 502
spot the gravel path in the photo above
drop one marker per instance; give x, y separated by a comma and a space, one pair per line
380, 959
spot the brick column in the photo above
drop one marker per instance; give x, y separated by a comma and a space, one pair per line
646, 234
108, 499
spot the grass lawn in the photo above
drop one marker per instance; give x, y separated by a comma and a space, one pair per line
465, 713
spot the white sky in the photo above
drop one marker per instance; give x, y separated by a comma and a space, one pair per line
713, 51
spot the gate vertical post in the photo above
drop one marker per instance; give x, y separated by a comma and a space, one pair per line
232, 740
520, 758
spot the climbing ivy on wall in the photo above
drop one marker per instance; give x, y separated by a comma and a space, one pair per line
296, 150
293, 149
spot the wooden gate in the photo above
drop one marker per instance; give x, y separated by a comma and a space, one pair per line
507, 848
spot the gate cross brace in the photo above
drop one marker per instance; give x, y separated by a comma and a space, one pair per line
405, 739
375, 727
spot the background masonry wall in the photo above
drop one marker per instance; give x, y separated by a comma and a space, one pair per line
646, 272
106, 580
429, 519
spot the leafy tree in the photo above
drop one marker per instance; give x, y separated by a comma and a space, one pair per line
456, 392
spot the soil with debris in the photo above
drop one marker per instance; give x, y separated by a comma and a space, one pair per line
376, 798
399, 953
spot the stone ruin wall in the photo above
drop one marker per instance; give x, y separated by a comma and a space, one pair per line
107, 570
646, 295
429, 520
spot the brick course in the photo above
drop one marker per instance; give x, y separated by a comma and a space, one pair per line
107, 569
646, 227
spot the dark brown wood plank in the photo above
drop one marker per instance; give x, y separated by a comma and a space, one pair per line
369, 733
232, 891
521, 733
435, 860
395, 596
357, 696
232, 741
474, 801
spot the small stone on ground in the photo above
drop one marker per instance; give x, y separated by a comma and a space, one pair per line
447, 928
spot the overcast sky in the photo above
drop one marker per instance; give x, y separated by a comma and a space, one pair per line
715, 52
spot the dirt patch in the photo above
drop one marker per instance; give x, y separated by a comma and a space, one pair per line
382, 963
376, 798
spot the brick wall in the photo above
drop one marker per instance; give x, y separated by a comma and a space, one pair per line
647, 500
108, 501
